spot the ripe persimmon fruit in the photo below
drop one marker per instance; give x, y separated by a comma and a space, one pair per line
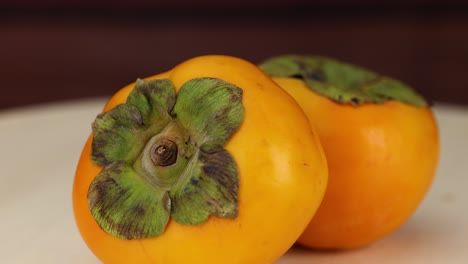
381, 143
210, 162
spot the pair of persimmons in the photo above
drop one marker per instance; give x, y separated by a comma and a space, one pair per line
213, 162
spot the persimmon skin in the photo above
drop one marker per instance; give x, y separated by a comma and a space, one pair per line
282, 172
382, 159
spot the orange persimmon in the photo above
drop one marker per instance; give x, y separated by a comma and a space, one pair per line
280, 169
381, 143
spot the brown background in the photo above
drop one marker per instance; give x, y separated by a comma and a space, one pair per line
62, 50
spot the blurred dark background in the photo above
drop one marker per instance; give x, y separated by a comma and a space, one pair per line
62, 50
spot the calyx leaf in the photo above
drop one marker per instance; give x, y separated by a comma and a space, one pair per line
217, 173
341, 82
162, 155
210, 109
119, 133
125, 206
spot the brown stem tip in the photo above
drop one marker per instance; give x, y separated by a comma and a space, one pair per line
164, 153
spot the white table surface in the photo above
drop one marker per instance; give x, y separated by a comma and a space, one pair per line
39, 150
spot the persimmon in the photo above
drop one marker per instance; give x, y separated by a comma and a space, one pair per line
210, 162
381, 142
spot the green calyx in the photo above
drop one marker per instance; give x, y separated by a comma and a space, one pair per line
342, 82
162, 156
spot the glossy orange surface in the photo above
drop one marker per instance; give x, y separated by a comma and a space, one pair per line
382, 160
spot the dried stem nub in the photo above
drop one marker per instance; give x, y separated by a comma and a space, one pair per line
164, 153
